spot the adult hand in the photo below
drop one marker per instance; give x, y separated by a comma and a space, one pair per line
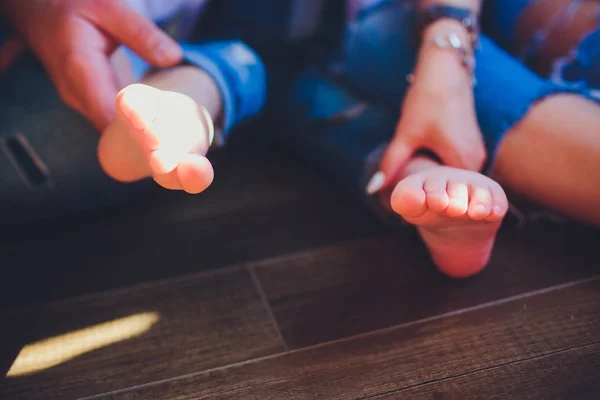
9, 51
438, 115
74, 39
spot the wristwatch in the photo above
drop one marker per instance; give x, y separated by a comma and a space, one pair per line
468, 18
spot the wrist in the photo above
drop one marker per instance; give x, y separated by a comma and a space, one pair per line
446, 27
445, 59
451, 31
464, 18
442, 72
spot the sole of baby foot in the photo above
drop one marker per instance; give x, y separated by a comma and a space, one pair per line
157, 134
456, 212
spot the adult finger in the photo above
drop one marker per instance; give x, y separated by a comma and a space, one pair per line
9, 51
132, 29
66, 91
457, 154
447, 152
93, 82
394, 159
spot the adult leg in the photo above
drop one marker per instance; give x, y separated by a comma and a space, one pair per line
582, 68
550, 152
553, 157
456, 212
544, 138
541, 32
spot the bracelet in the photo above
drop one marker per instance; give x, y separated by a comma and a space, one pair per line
467, 18
452, 41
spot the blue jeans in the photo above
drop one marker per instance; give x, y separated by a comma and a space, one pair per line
340, 122
48, 163
581, 69
345, 114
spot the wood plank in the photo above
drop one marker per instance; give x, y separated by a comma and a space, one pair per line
260, 206
371, 284
569, 374
201, 322
405, 356
14, 335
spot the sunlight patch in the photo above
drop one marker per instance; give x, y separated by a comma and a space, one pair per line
48, 353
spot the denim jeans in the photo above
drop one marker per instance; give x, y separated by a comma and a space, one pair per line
344, 115
48, 163
340, 117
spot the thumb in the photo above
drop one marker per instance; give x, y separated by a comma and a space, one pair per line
394, 159
132, 29
94, 86
447, 151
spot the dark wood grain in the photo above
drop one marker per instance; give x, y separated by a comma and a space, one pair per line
260, 206
205, 321
569, 374
371, 284
15, 332
406, 356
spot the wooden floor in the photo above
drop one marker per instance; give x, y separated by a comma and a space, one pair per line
273, 285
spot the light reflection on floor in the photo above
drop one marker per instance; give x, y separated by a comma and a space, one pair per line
50, 352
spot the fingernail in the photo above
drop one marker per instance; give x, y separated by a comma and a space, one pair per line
169, 51
375, 183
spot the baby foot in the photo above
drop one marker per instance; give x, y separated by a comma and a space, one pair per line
157, 134
457, 213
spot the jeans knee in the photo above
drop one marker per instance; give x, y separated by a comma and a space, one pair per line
380, 51
500, 17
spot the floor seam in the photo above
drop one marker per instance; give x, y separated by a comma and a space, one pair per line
348, 338
237, 266
265, 301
